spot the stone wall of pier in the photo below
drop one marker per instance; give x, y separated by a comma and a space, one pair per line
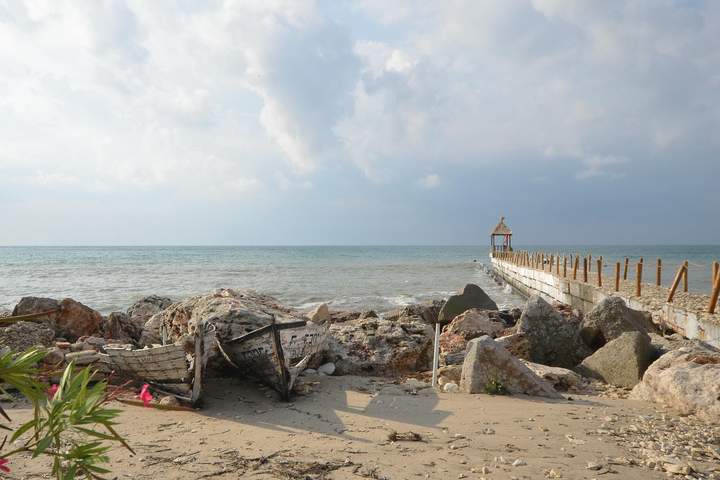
584, 296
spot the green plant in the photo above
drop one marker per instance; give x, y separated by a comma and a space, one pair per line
495, 387
71, 423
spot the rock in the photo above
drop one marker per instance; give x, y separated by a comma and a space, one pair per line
148, 306
96, 343
451, 387
472, 296
456, 358
489, 367
471, 324
29, 305
621, 362
120, 326
76, 320
150, 334
553, 339
326, 368
686, 380
664, 344
425, 312
450, 373
561, 379
309, 371
368, 314
319, 314
63, 345
169, 400
344, 316
610, 318
55, 356
20, 336
380, 347
517, 344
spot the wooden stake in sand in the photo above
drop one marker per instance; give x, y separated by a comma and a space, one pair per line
585, 269
625, 272
436, 355
676, 282
599, 271
715, 270
715, 294
564, 267
658, 276
685, 277
617, 276
575, 268
638, 278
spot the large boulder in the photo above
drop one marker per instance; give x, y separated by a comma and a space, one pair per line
20, 336
686, 380
146, 307
77, 320
426, 312
610, 318
374, 346
489, 368
471, 324
30, 305
517, 344
319, 314
472, 296
554, 339
621, 362
122, 328
131, 327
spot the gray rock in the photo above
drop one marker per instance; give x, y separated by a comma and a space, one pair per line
553, 338
148, 306
425, 312
326, 368
621, 362
451, 387
377, 346
472, 296
610, 318
85, 357
123, 328
29, 305
470, 324
55, 356
686, 380
517, 344
20, 336
561, 379
488, 366
319, 314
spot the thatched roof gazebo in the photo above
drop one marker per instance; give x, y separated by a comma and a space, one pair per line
501, 230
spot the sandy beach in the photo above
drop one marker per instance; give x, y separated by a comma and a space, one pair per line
340, 429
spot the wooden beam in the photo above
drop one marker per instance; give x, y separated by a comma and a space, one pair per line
30, 317
599, 271
585, 269
617, 276
676, 282
658, 275
685, 277
575, 268
638, 278
625, 271
715, 294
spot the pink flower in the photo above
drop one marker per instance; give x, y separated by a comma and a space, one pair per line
52, 391
3, 465
145, 395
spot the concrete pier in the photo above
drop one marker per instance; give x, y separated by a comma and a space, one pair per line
685, 315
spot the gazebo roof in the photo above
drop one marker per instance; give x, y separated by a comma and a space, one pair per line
501, 228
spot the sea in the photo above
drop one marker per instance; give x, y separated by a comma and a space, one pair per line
380, 278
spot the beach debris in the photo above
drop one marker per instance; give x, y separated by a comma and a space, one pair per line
319, 314
20, 336
610, 318
394, 436
553, 338
489, 368
375, 346
621, 361
687, 380
472, 296
145, 395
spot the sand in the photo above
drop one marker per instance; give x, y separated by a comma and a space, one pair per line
340, 429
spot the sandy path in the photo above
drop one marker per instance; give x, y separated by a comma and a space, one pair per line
340, 429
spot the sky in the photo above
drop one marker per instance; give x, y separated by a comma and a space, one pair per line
254, 122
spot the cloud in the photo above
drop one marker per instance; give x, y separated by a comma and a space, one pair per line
429, 181
598, 166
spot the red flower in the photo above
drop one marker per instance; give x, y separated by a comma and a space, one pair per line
145, 395
3, 465
52, 391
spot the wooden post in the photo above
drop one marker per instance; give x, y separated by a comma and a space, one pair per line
714, 295
658, 278
617, 276
283, 374
638, 278
198, 366
557, 265
685, 277
676, 282
585, 269
575, 268
715, 270
564, 267
599, 271
625, 272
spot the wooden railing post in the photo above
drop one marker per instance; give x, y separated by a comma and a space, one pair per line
715, 270
564, 266
715, 294
617, 276
599, 271
675, 283
625, 271
658, 279
685, 277
585, 269
575, 268
638, 278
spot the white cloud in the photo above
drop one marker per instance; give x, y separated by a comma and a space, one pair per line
430, 181
599, 166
